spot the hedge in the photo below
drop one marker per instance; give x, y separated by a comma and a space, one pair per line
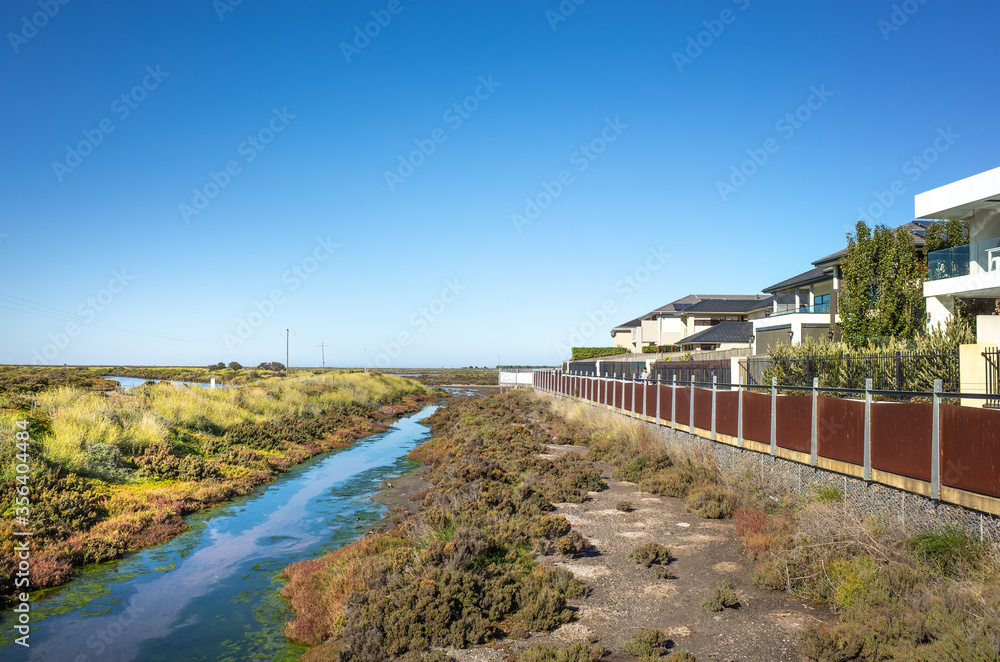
582, 353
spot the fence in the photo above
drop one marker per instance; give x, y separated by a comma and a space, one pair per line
715, 355
992, 359
515, 377
942, 451
893, 371
701, 371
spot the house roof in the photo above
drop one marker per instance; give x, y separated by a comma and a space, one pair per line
728, 305
627, 326
676, 306
735, 332
960, 199
917, 228
804, 278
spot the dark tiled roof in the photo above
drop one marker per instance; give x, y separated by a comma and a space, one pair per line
675, 306
804, 278
728, 305
722, 332
915, 228
628, 326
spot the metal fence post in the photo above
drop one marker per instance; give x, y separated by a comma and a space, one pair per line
714, 391
635, 384
739, 415
691, 408
936, 442
644, 399
868, 429
614, 391
673, 404
774, 415
657, 391
814, 432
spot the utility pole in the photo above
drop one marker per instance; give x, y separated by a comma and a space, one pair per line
366, 360
322, 349
287, 335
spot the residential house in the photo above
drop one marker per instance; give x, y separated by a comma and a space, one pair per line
664, 325
628, 335
722, 322
805, 305
971, 271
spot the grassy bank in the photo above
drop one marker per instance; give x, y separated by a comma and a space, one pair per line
901, 593
114, 473
463, 571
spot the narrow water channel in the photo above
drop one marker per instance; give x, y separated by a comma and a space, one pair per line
212, 592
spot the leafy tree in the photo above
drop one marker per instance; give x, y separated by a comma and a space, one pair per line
946, 234
234, 365
274, 365
881, 295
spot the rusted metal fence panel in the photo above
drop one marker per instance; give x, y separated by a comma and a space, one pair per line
727, 412
841, 430
970, 449
794, 422
703, 409
647, 399
665, 413
626, 402
901, 438
683, 412
757, 417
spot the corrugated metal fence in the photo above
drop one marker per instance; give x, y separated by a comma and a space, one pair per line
943, 451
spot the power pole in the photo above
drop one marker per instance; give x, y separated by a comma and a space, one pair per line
366, 360
287, 335
322, 349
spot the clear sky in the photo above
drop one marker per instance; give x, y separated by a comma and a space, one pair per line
444, 183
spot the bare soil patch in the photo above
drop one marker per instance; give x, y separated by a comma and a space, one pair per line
626, 598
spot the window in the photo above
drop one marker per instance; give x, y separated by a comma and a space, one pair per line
821, 303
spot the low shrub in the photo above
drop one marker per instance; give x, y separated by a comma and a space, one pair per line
107, 463
950, 551
650, 554
829, 494
158, 461
575, 652
723, 596
680, 655
624, 506
712, 502
648, 643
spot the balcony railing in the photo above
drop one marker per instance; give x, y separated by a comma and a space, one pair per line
958, 261
818, 308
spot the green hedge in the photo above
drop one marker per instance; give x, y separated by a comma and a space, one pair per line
656, 349
582, 353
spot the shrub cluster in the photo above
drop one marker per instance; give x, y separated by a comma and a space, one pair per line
463, 566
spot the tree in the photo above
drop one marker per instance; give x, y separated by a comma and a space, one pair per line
946, 234
234, 365
881, 294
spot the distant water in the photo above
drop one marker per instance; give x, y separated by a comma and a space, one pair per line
212, 593
132, 382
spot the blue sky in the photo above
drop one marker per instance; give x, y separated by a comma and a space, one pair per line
184, 181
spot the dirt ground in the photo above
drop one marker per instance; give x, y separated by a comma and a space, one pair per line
626, 598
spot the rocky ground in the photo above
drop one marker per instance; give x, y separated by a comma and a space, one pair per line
626, 598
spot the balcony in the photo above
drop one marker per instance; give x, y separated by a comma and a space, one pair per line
978, 257
819, 308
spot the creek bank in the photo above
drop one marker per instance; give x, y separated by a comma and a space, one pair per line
79, 521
